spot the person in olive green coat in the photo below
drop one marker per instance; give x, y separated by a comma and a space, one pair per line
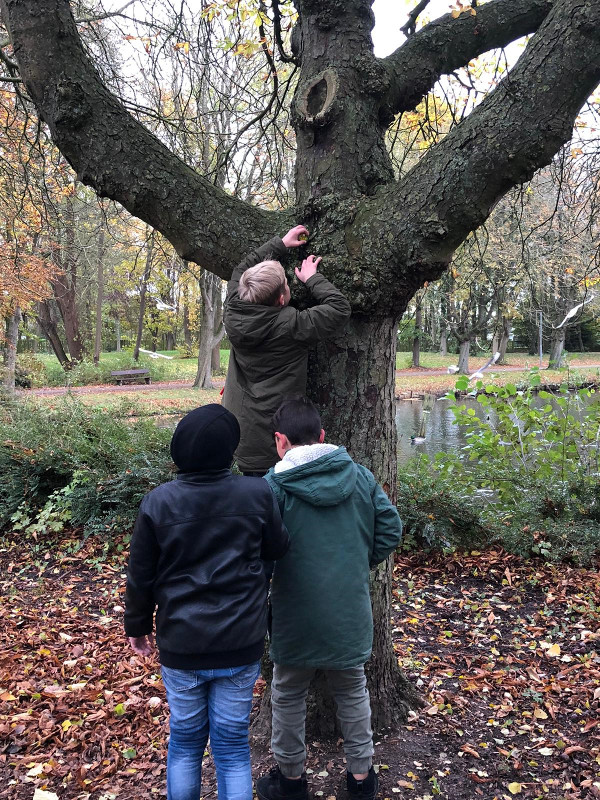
341, 523
270, 341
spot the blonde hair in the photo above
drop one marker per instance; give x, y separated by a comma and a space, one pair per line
263, 284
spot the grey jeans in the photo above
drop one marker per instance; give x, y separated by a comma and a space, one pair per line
288, 697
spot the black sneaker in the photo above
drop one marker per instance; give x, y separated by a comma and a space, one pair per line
365, 789
276, 786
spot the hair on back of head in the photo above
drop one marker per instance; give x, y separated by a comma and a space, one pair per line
298, 418
263, 284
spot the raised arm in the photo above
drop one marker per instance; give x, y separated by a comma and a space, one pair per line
274, 248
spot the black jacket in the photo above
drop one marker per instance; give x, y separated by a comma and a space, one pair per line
196, 554
269, 354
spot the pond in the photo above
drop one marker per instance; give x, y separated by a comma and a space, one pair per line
442, 433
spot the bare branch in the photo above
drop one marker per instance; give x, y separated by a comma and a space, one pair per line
411, 25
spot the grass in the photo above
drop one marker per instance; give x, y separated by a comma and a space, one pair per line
146, 403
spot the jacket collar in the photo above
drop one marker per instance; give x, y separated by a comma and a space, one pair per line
209, 476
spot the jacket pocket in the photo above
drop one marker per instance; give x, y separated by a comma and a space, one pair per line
245, 676
179, 680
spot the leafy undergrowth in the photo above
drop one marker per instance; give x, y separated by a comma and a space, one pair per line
505, 653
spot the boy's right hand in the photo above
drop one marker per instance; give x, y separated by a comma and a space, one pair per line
308, 268
296, 236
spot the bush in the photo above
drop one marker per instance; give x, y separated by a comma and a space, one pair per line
89, 467
526, 479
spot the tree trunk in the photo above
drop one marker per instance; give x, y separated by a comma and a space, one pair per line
444, 341
99, 296
48, 325
352, 380
416, 348
10, 351
64, 284
143, 289
210, 286
463, 356
503, 341
557, 346
215, 359
118, 334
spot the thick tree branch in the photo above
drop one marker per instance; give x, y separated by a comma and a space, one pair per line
515, 131
447, 44
114, 154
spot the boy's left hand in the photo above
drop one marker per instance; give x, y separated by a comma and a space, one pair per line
296, 236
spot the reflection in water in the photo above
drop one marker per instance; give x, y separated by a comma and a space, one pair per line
441, 433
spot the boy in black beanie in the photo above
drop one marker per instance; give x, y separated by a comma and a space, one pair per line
196, 556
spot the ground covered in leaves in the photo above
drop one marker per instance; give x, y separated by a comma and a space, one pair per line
506, 654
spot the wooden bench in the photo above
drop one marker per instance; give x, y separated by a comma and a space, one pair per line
125, 375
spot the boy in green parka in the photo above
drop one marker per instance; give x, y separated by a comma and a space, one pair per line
341, 523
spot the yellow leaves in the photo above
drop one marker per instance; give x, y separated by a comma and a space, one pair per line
463, 6
515, 788
539, 713
185, 46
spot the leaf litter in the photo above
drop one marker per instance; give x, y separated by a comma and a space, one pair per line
506, 655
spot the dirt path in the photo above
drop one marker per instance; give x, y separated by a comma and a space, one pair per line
48, 391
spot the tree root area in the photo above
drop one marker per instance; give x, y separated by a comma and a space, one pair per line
504, 653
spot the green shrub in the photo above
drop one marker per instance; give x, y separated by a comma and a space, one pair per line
92, 465
527, 478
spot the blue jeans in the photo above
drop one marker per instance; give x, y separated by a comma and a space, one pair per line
213, 703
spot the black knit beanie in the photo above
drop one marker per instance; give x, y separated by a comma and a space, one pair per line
205, 439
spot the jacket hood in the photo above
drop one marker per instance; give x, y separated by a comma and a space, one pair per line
249, 324
326, 481
205, 439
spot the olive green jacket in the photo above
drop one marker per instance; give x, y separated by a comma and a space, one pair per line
269, 354
340, 523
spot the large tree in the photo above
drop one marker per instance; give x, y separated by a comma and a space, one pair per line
380, 238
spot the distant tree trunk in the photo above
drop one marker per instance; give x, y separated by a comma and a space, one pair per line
215, 359
580, 339
416, 348
48, 325
463, 357
503, 340
444, 341
169, 340
118, 334
143, 289
210, 286
10, 351
99, 296
557, 346
64, 284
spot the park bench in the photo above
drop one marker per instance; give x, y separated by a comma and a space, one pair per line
124, 375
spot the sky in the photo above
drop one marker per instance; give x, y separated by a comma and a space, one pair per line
390, 15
